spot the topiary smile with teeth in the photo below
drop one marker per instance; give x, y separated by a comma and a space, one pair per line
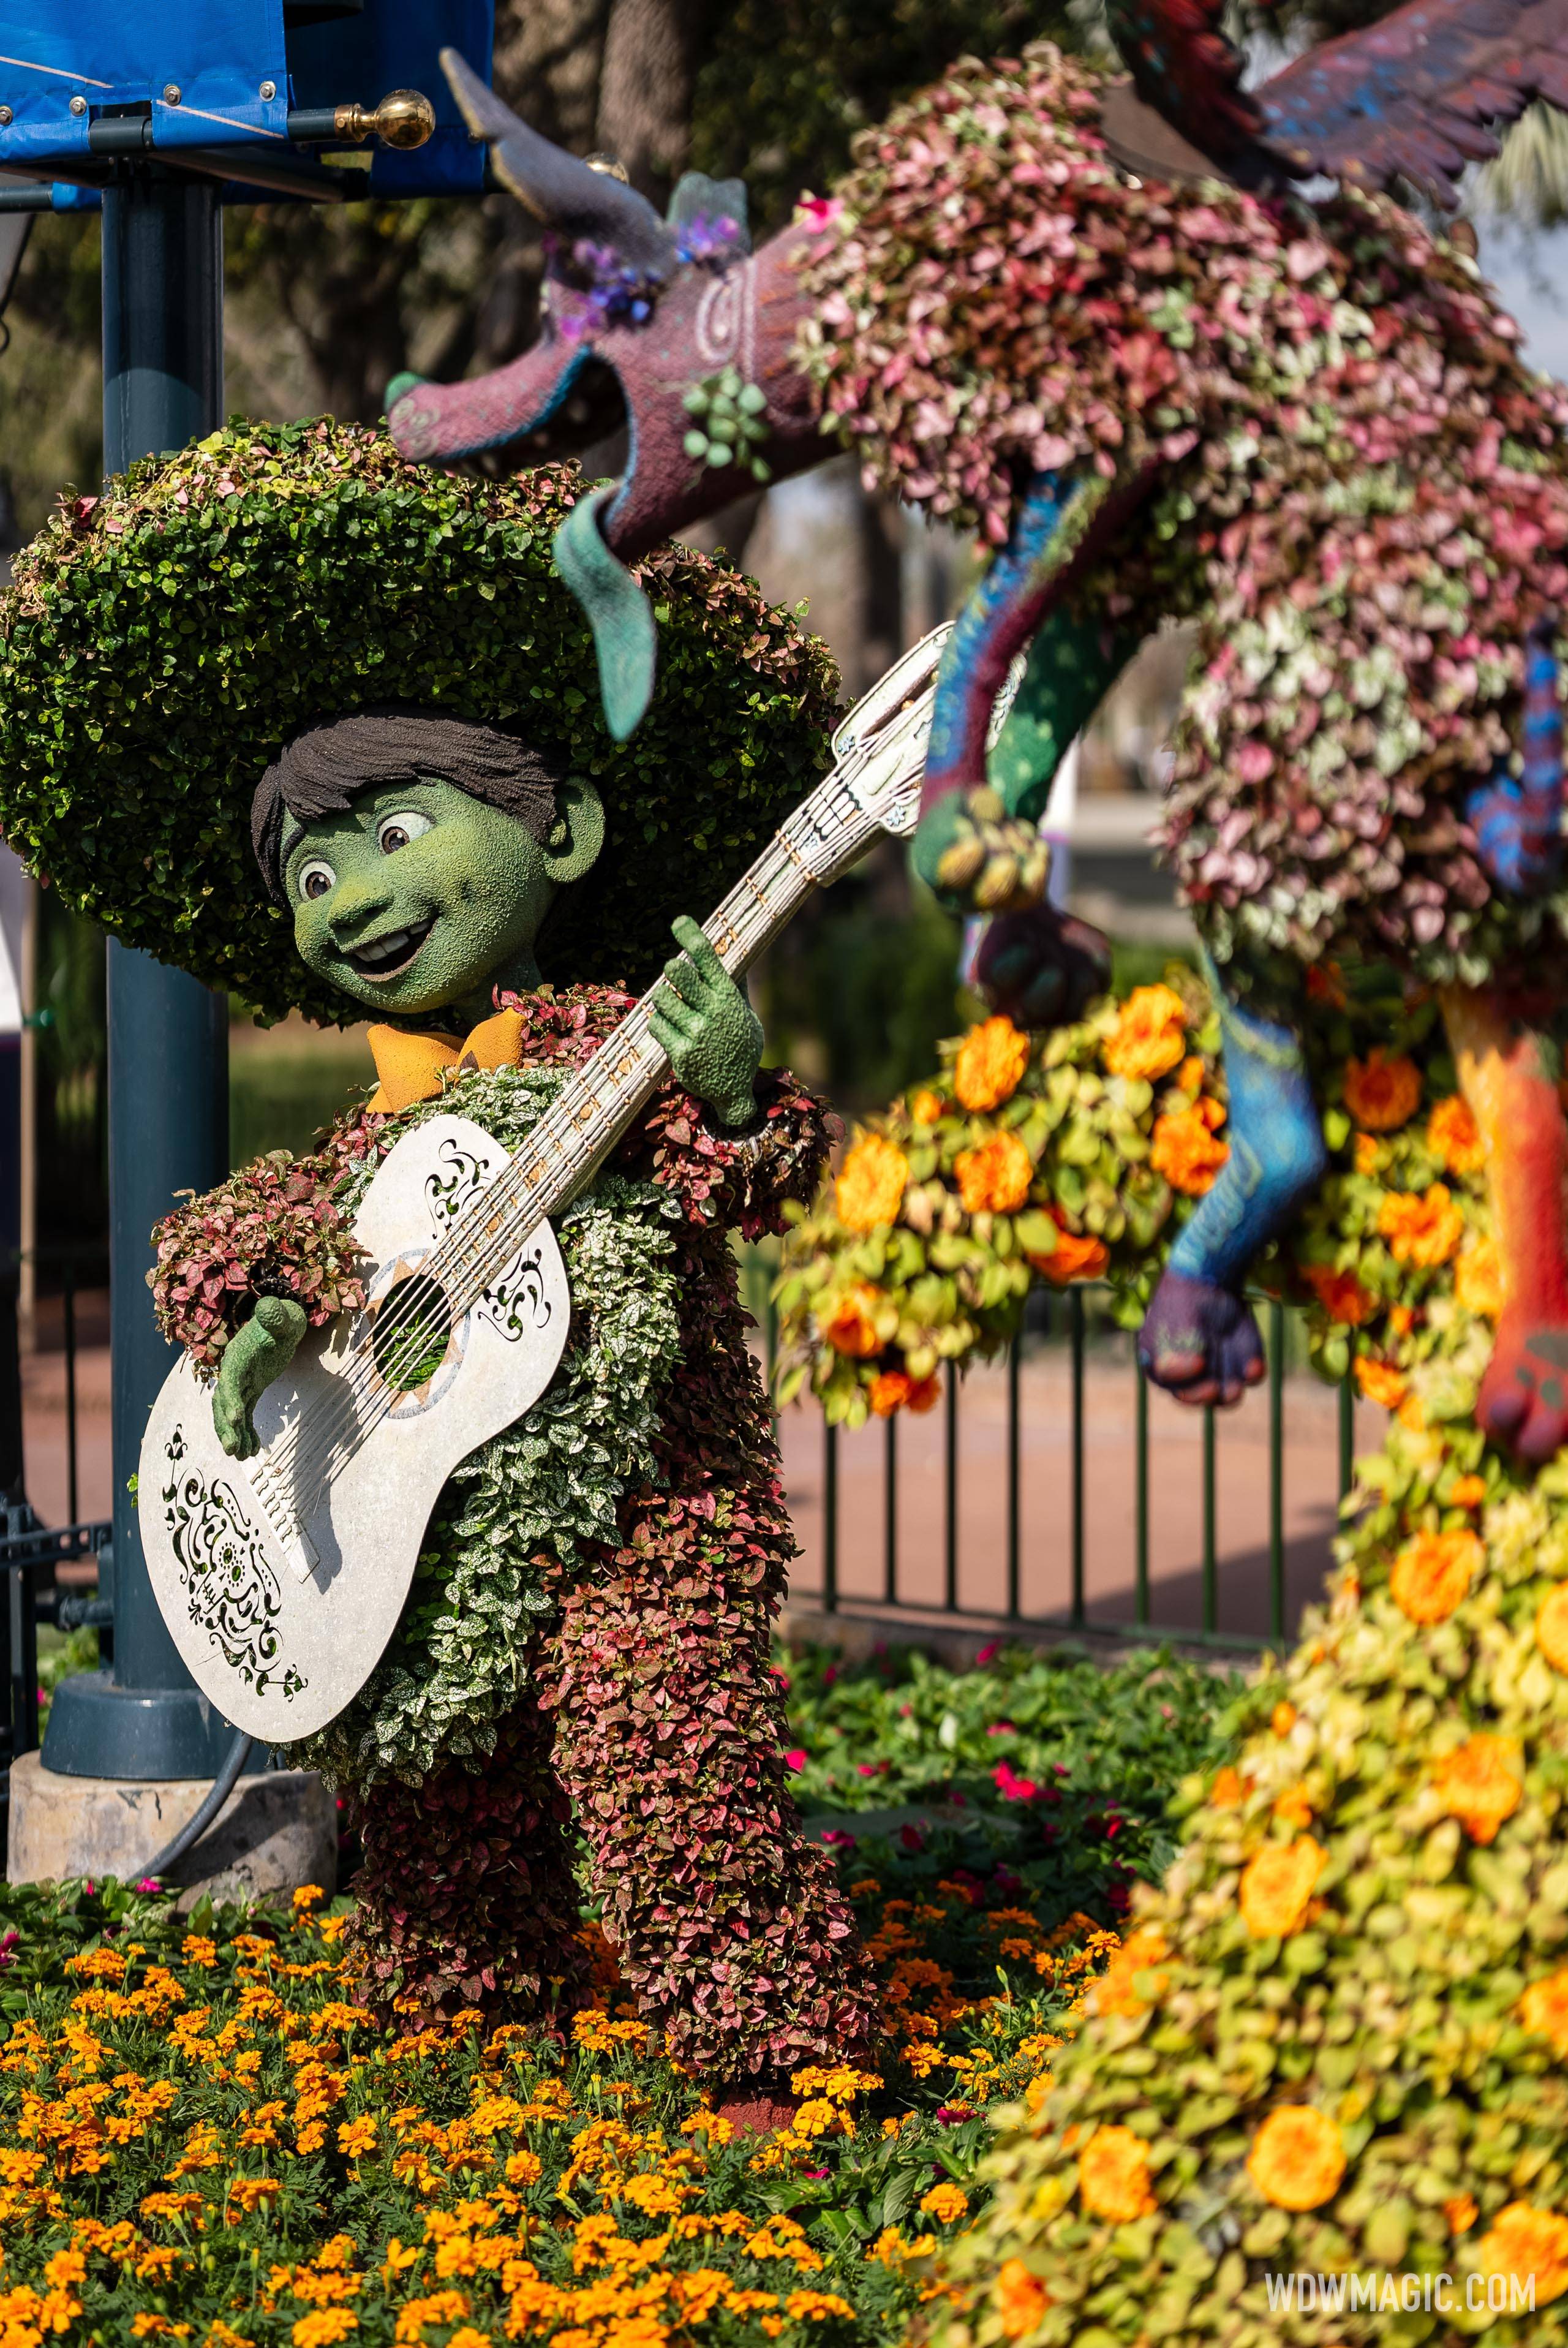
385, 956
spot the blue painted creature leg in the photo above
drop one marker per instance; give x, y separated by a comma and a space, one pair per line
1518, 821
1199, 1339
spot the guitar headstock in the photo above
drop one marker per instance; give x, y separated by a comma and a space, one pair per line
880, 748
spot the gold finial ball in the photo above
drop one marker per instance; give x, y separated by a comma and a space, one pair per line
405, 119
608, 166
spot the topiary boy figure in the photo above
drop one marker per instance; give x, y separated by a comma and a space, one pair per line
371, 783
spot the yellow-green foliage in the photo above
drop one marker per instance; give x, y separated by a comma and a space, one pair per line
1366, 1927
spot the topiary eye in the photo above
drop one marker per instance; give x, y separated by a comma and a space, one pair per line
316, 879
395, 831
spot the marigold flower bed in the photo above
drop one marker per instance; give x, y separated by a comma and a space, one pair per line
204, 2135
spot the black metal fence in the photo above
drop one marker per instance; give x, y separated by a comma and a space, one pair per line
1059, 1534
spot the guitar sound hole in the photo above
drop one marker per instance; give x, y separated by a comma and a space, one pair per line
412, 1331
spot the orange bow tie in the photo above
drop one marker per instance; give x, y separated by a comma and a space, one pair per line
414, 1067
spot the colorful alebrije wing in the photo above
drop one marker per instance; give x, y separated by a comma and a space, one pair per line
1413, 94
1183, 67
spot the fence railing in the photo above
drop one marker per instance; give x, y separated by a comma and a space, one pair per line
1047, 1516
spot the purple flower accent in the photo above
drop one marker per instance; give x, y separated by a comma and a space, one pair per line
710, 244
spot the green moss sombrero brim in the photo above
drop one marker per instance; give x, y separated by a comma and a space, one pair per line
159, 644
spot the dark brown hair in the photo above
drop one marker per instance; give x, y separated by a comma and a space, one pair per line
328, 767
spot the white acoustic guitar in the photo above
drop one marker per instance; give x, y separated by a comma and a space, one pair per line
281, 1577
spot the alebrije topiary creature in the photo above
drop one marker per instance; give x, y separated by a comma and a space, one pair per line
307, 720
1091, 321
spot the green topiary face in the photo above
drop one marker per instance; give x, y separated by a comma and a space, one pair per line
163, 642
419, 898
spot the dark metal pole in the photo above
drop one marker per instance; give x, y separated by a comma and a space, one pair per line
167, 1035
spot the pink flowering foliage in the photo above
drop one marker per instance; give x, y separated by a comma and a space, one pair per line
1358, 487
271, 1229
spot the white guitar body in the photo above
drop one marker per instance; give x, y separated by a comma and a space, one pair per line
281, 1587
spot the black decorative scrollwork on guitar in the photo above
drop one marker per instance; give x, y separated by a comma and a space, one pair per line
459, 1177
231, 1590
517, 1303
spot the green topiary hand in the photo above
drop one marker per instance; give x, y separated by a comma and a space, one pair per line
253, 1356
713, 1036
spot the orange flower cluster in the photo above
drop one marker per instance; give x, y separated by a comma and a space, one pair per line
1529, 2246
1478, 1280
1422, 1227
1142, 1953
1552, 1627
990, 1065
1340, 1293
1381, 1092
1021, 2298
893, 1390
1075, 1255
1277, 1887
1543, 2008
1297, 2158
852, 1326
1481, 1784
1453, 1136
1433, 1573
1380, 1382
870, 1190
1149, 1038
1113, 2175
1185, 1149
994, 1177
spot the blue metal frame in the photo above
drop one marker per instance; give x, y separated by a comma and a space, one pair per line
195, 71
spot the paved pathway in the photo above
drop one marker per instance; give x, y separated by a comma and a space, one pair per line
1175, 1486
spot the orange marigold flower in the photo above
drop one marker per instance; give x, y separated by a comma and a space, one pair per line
1421, 1227
1461, 2212
1326, 984
1297, 2159
1281, 1719
324, 2327
1022, 2299
1452, 1136
990, 1064
994, 1178
1228, 1788
945, 2202
1149, 1038
1368, 1154
1552, 1627
1528, 2245
1433, 1573
1478, 1280
1340, 1293
1190, 1074
1075, 1255
926, 1106
1380, 1382
889, 1390
1113, 2175
1543, 2008
1141, 1952
1292, 1807
850, 1327
870, 1190
1412, 1418
1380, 1093
1469, 1492
1481, 1784
1277, 1887
1185, 1149
1402, 1319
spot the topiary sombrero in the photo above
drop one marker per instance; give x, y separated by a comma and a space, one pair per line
161, 644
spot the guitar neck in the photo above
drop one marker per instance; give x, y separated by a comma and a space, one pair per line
818, 842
